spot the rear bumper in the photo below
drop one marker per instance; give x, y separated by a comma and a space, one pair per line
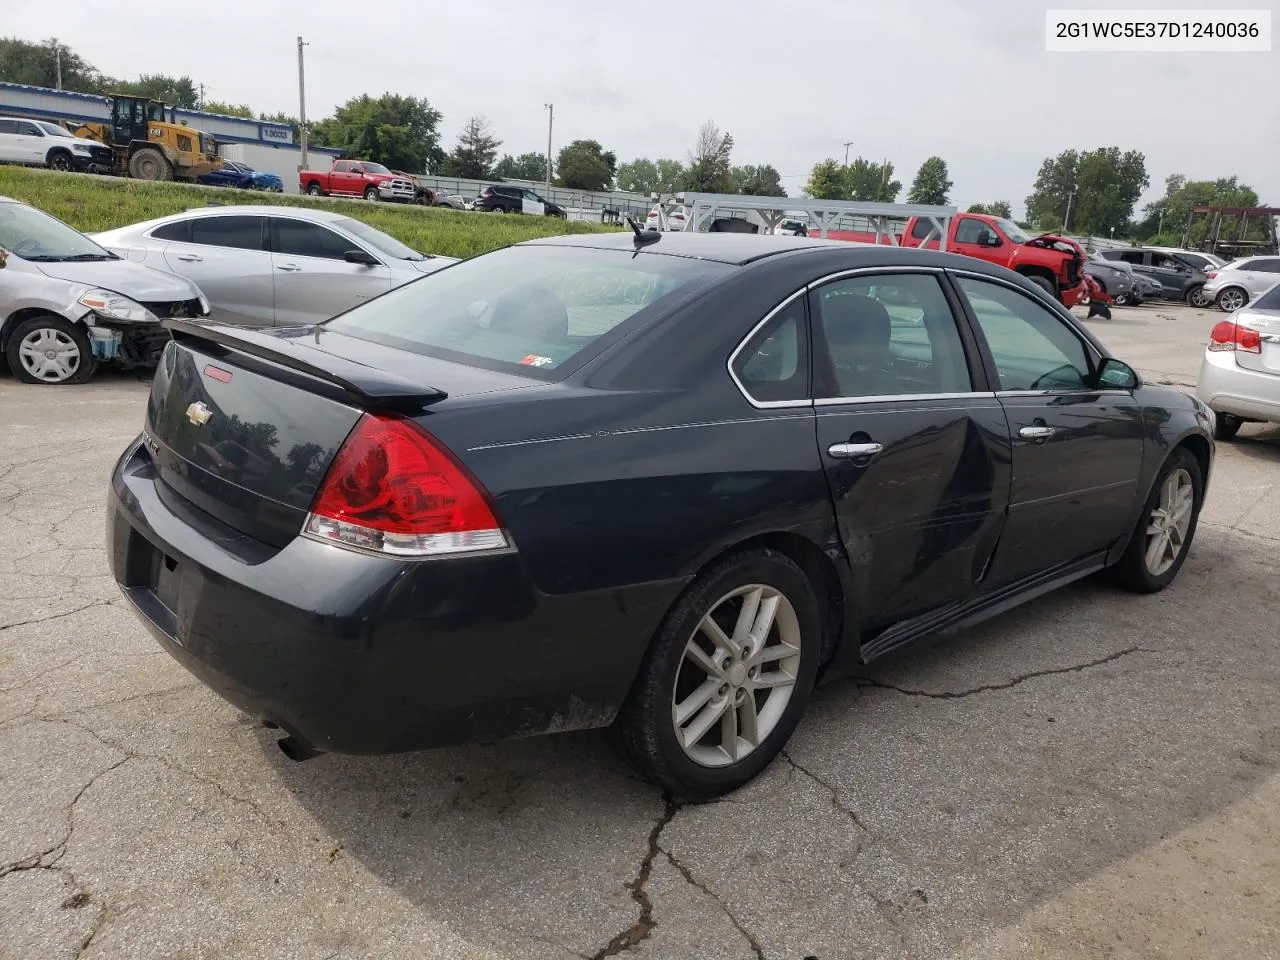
358, 654
1226, 387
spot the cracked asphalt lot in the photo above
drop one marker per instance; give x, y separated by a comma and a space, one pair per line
1095, 775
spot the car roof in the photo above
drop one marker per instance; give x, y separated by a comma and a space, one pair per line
259, 210
743, 248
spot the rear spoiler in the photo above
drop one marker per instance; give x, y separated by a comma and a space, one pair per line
367, 386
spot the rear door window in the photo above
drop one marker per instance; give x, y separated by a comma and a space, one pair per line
239, 233
536, 307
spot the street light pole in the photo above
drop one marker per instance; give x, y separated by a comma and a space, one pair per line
551, 115
846, 152
302, 107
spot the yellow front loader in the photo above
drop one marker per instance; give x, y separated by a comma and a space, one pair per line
149, 144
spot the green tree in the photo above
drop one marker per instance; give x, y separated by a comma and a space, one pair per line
1166, 219
473, 158
873, 182
177, 91
1108, 184
36, 64
585, 165
228, 109
762, 181
671, 176
398, 131
931, 185
827, 181
1099, 186
710, 169
638, 176
527, 166
999, 208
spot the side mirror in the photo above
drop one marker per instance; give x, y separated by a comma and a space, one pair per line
360, 257
990, 240
1118, 375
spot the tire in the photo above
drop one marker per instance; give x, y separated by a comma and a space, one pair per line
1232, 299
646, 731
1122, 300
150, 164
1043, 284
313, 189
371, 194
1226, 426
58, 160
27, 345
1134, 571
1196, 297
499, 209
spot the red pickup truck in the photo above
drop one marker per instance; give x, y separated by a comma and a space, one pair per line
1055, 263
357, 178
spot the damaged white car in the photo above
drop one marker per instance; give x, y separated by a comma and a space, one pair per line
67, 304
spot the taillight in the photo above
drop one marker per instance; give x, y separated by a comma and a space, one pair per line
1232, 336
1211, 274
393, 489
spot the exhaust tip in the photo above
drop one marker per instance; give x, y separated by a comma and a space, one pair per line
296, 750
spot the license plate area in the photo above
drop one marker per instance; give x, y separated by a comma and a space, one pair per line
166, 580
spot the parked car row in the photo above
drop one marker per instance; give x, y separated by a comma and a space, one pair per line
69, 301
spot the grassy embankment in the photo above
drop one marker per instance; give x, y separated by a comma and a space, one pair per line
91, 203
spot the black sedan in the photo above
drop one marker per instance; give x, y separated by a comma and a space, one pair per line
662, 482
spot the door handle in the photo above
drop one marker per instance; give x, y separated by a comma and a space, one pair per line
288, 267
1036, 433
849, 451
191, 258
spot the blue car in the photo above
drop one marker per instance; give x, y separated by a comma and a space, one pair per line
235, 174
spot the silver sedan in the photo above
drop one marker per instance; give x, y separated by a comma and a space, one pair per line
1240, 374
269, 266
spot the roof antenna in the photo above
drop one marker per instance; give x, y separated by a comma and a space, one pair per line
643, 237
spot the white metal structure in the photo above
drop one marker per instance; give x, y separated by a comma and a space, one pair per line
823, 215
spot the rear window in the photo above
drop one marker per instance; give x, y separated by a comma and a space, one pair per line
1269, 300
534, 307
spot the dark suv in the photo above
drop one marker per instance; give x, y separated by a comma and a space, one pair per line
511, 199
1177, 278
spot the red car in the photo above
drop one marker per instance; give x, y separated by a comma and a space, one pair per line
357, 178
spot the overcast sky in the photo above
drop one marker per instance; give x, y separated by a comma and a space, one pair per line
903, 79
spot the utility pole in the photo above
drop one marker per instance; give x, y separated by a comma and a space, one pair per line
201, 104
1066, 221
302, 106
57, 62
551, 115
846, 152
1160, 228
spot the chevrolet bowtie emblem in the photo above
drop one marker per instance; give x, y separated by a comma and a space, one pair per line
199, 414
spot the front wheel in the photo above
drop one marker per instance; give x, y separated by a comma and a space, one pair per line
726, 679
1196, 297
50, 350
371, 194
1232, 299
1165, 527
1044, 284
59, 160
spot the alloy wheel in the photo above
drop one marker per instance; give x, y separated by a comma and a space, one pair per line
1169, 522
737, 675
49, 355
1198, 298
1231, 300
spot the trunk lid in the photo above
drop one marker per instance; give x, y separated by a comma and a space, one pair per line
1267, 324
243, 425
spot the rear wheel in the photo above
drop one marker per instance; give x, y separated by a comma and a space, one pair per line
1232, 299
150, 164
1226, 426
51, 350
1165, 528
59, 160
726, 679
1196, 297
314, 189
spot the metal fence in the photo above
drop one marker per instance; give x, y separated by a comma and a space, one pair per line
627, 204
